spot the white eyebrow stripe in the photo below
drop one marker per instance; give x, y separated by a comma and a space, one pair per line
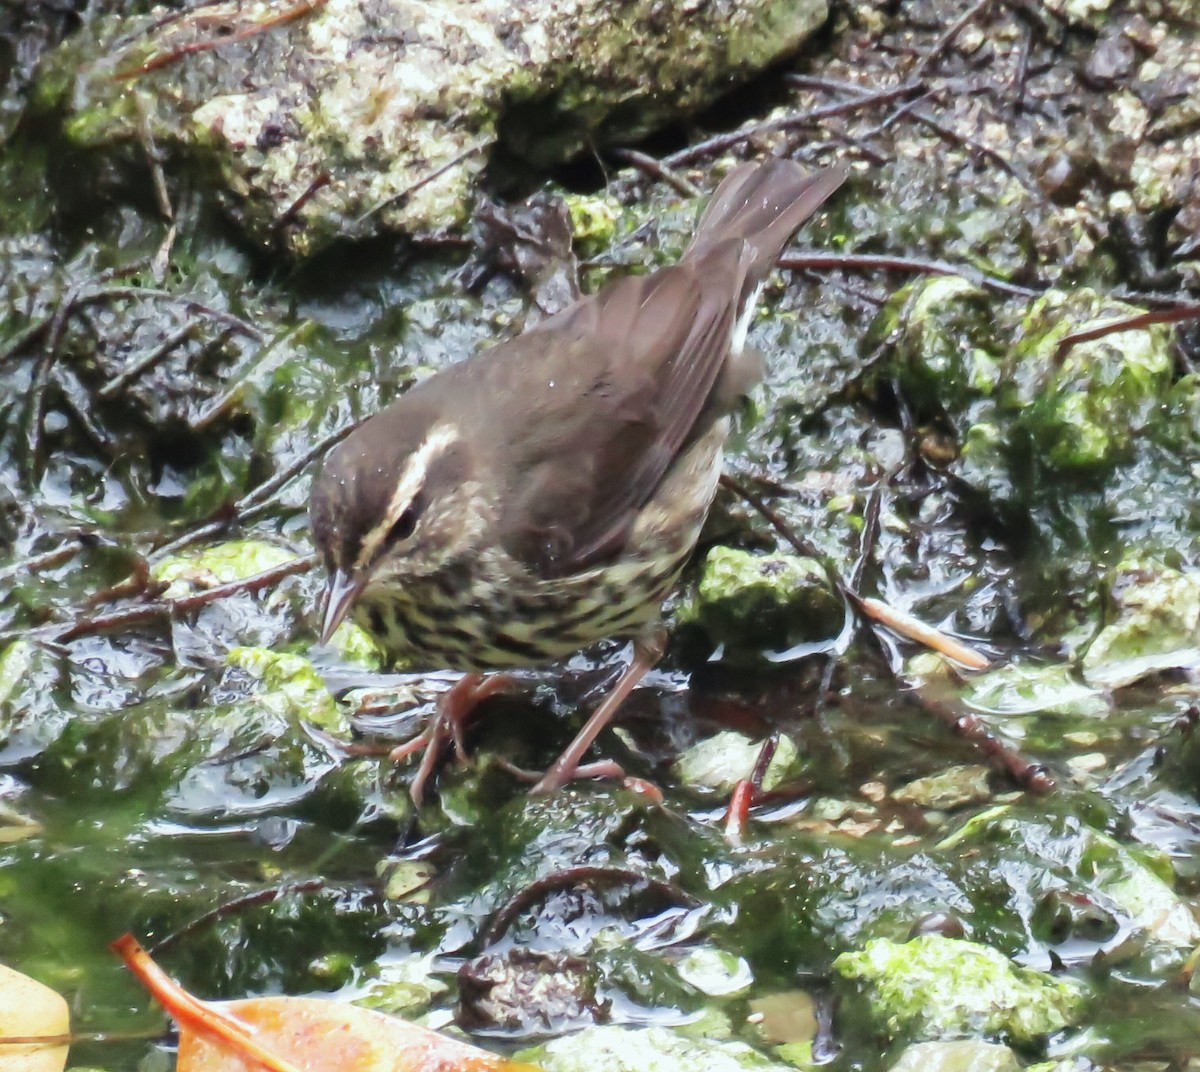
408, 486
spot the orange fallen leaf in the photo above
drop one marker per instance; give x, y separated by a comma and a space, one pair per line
301, 1034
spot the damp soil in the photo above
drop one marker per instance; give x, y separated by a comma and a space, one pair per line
166, 388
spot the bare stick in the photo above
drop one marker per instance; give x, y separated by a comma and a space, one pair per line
805, 259
947, 39
162, 59
232, 908
911, 628
206, 1019
656, 169
1172, 315
168, 608
581, 875
144, 364
720, 142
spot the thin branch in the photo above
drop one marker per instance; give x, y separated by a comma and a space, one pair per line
162, 59
232, 908
206, 1019
1174, 315
911, 628
255, 500
954, 137
306, 195
656, 169
166, 609
947, 39
805, 258
582, 875
720, 142
144, 364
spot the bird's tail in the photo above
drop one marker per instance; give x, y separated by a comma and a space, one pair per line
763, 204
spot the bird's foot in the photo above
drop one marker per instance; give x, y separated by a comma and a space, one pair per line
647, 650
454, 708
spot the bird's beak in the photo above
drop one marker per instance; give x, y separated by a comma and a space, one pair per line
341, 590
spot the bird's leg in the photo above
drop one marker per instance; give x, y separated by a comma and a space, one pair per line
647, 650
454, 707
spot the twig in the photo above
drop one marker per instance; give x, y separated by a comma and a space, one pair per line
293, 210
581, 875
154, 159
1174, 315
424, 180
720, 142
805, 259
1031, 775
911, 628
947, 39
162, 59
233, 907
656, 169
144, 364
1016, 85
36, 407
953, 136
256, 498
169, 608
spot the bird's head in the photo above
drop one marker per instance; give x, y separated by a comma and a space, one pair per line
391, 502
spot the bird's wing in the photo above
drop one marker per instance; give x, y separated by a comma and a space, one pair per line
617, 385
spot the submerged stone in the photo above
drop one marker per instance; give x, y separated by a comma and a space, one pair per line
1029, 688
14, 665
293, 687
650, 1049
1086, 408
750, 606
952, 788
961, 1055
1156, 628
721, 761
947, 987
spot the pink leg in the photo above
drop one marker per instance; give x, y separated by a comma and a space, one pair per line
454, 708
647, 651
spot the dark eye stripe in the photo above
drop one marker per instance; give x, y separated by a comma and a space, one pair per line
403, 527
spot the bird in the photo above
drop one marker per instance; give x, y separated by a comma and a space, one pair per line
545, 493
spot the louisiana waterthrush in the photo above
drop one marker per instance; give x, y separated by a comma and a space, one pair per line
544, 494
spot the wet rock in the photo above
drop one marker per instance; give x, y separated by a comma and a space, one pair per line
1110, 61
1133, 885
787, 1017
1029, 688
1061, 916
946, 987
1156, 626
721, 761
652, 1049
15, 663
762, 606
715, 972
948, 789
354, 117
964, 1055
400, 986
525, 992
218, 564
291, 686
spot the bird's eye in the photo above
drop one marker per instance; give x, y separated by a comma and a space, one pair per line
403, 527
